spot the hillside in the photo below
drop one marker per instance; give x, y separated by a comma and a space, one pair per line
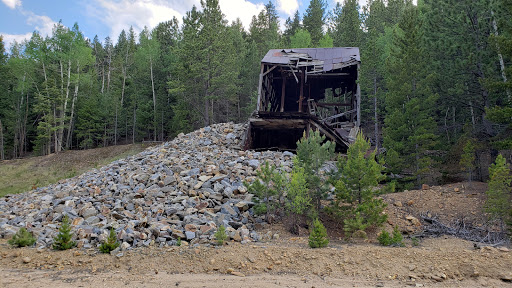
22, 175
189, 186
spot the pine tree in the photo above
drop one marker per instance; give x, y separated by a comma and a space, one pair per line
467, 159
111, 243
298, 200
347, 30
356, 188
63, 240
409, 125
318, 235
291, 27
499, 191
268, 188
312, 152
314, 19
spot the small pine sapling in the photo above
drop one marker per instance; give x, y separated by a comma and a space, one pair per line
318, 236
395, 239
22, 238
63, 240
268, 189
178, 242
111, 243
298, 200
220, 235
498, 191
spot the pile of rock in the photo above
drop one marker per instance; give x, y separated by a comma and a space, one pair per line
182, 189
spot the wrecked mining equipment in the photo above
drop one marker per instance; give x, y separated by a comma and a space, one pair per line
302, 89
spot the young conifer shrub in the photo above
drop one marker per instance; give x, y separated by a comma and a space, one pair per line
22, 238
63, 240
318, 236
395, 239
111, 243
498, 191
220, 235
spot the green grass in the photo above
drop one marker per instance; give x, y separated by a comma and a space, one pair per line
21, 175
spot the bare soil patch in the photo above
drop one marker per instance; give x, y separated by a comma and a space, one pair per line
287, 261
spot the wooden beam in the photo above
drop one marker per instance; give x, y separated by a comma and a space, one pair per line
296, 79
358, 98
301, 96
321, 104
260, 83
269, 70
283, 91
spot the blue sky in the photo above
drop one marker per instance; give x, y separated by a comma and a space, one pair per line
19, 18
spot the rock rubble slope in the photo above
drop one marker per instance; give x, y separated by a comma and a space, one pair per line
182, 189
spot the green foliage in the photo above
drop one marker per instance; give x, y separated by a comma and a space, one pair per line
415, 241
301, 39
356, 189
318, 235
396, 239
22, 238
409, 123
268, 188
467, 159
63, 240
111, 243
220, 235
498, 191
178, 242
312, 153
298, 202
313, 20
347, 30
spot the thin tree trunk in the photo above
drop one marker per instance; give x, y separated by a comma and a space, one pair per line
500, 56
75, 96
375, 112
154, 99
102, 78
48, 132
115, 128
2, 154
472, 115
134, 123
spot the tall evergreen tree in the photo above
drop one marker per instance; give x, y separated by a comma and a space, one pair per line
347, 30
409, 125
314, 20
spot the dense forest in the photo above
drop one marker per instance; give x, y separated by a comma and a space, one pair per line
433, 77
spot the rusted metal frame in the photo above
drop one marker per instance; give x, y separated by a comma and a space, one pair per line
260, 83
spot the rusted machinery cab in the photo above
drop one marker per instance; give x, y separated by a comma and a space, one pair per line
302, 89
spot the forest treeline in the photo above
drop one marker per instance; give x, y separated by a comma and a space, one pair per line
432, 75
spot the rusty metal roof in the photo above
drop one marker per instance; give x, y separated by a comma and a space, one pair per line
329, 57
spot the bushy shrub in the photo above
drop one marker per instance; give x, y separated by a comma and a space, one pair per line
111, 243
178, 242
22, 238
318, 236
395, 239
220, 235
298, 202
268, 189
357, 187
63, 240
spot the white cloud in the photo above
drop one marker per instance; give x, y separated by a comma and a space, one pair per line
242, 9
121, 14
10, 38
288, 7
12, 3
42, 24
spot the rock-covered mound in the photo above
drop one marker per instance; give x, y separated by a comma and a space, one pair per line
182, 189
